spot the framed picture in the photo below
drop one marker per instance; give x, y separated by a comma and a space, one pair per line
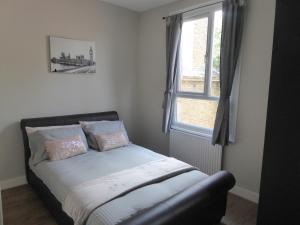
72, 56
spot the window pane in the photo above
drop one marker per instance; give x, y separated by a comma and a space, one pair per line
196, 112
193, 55
215, 80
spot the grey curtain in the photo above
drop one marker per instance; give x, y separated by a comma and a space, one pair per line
173, 39
233, 20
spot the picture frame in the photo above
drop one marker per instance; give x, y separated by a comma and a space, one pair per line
71, 56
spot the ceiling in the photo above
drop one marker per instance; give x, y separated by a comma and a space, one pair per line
139, 5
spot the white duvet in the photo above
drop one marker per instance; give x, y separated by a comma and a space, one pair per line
84, 198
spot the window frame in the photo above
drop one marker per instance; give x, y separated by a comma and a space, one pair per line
204, 12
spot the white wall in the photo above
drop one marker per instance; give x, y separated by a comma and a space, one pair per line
27, 89
244, 158
128, 47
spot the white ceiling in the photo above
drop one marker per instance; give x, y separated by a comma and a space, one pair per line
139, 5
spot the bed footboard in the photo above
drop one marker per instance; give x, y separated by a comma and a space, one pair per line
202, 204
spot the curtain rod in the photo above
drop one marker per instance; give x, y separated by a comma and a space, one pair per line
198, 7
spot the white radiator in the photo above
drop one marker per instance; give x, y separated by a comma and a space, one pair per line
196, 150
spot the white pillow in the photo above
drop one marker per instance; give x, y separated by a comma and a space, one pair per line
30, 130
101, 127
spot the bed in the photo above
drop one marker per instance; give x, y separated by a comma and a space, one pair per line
187, 198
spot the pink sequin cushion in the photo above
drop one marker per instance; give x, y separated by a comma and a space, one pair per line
65, 148
108, 141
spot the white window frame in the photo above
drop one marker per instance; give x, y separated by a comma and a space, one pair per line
207, 11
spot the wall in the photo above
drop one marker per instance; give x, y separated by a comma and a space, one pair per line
27, 89
244, 158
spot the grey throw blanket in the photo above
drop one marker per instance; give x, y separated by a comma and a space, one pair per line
85, 198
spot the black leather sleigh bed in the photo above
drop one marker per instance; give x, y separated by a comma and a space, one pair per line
203, 203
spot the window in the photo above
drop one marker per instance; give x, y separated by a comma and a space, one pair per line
198, 85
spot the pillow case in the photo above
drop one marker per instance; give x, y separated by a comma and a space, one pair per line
101, 127
30, 130
37, 140
65, 148
108, 141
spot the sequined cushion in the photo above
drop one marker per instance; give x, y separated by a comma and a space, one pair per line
65, 148
101, 127
37, 140
108, 141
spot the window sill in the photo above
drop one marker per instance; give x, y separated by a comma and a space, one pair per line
206, 135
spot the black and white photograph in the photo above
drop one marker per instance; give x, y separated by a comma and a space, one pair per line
72, 56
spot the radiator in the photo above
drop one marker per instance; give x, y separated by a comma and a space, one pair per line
196, 150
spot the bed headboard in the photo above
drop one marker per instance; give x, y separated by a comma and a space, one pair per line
60, 121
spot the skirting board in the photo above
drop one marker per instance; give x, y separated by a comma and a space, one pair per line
14, 182
246, 194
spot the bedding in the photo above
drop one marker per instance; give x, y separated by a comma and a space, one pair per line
86, 197
65, 148
195, 198
108, 141
101, 127
38, 139
61, 177
30, 130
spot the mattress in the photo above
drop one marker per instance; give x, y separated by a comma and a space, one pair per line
61, 176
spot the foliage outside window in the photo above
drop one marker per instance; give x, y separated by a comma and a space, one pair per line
198, 85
